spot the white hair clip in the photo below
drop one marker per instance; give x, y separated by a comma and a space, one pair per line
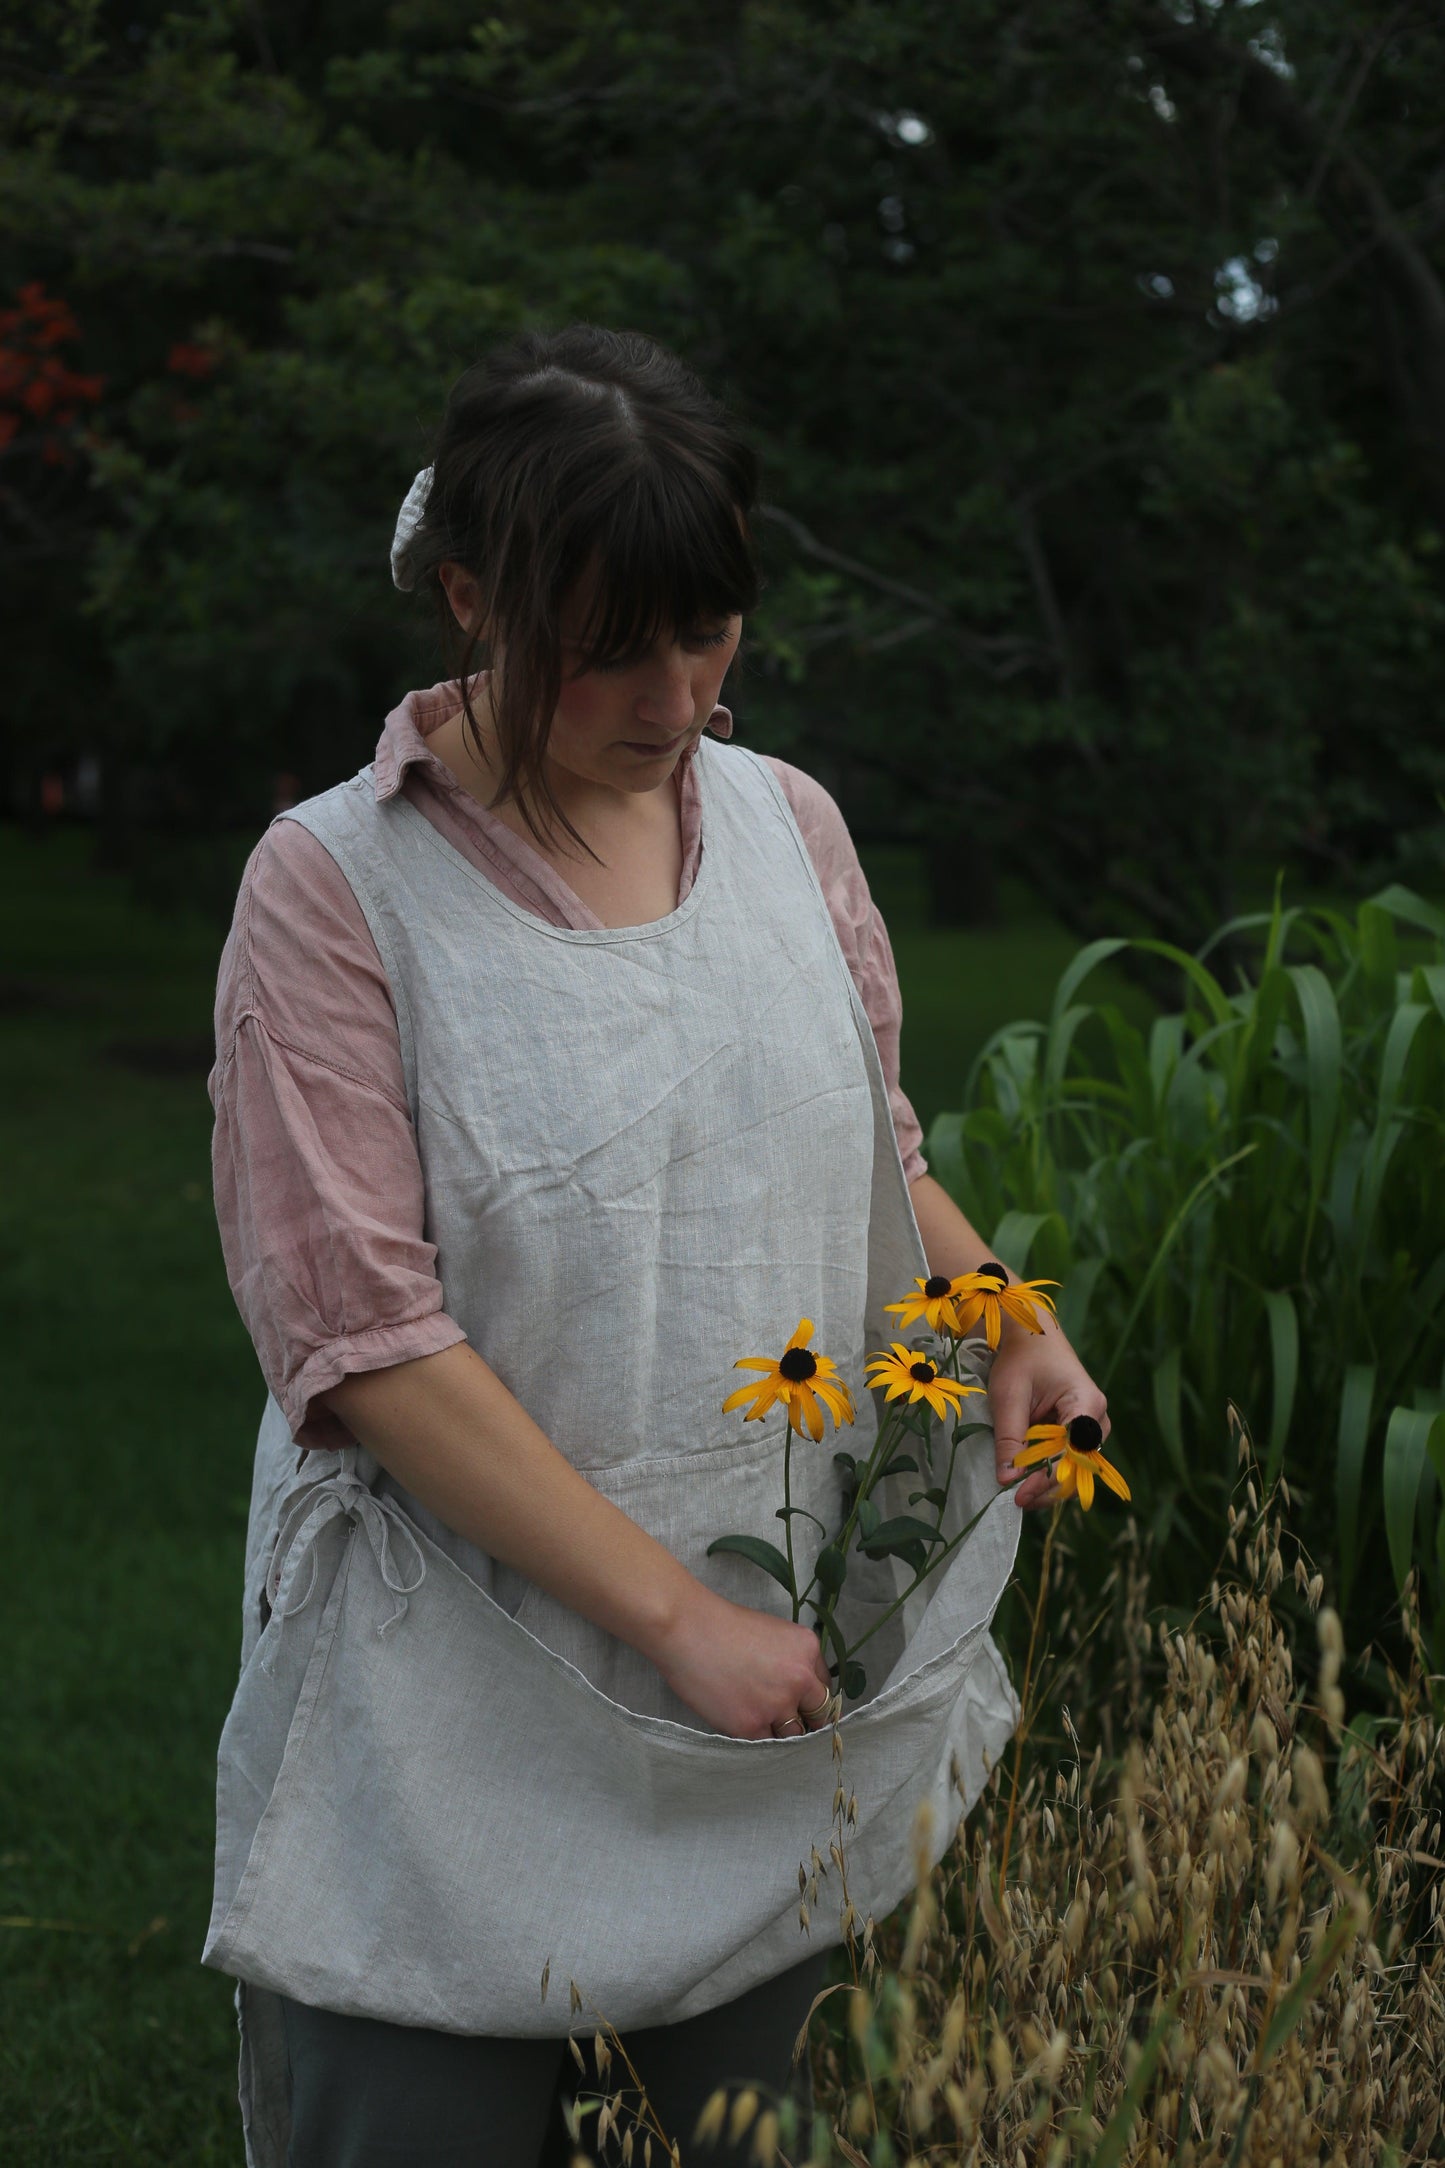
408, 519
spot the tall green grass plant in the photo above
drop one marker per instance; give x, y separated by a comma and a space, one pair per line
1245, 1202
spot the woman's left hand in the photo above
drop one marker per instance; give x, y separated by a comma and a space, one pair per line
1036, 1377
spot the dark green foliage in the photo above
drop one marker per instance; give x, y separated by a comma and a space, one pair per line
1245, 1203
1097, 357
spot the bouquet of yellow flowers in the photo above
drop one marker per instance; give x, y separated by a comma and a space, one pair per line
919, 1393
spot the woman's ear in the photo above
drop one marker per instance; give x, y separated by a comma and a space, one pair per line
463, 592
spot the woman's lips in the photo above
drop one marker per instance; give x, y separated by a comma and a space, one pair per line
650, 749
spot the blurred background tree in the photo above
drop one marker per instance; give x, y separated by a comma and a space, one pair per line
1097, 357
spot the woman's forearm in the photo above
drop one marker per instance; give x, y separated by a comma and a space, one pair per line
449, 1431
950, 1242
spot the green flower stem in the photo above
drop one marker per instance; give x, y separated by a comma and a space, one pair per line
888, 1431
788, 1517
935, 1561
948, 1479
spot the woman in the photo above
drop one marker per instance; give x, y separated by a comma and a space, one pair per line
550, 1080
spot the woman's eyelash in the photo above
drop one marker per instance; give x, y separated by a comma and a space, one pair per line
691, 639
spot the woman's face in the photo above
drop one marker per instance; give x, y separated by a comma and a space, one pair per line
625, 728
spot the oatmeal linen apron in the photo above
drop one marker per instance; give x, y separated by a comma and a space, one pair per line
647, 1150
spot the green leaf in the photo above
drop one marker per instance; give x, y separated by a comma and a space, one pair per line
1407, 1443
831, 1568
869, 1517
1170, 1236
936, 1497
1204, 982
764, 1554
947, 1160
1284, 1366
1060, 1040
786, 1513
834, 1633
847, 1464
1413, 909
1356, 1401
968, 1430
1167, 1384
1087, 960
1404, 1024
1379, 949
903, 1465
1075, 1296
855, 1680
903, 1528
1324, 1063
1013, 1238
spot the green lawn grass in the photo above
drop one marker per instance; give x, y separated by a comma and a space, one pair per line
132, 1401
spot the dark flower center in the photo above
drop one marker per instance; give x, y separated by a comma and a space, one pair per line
798, 1365
938, 1285
994, 1271
1085, 1435
923, 1371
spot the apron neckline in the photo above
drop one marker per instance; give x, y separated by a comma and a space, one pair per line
591, 936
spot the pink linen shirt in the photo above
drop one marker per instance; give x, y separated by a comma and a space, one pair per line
318, 1184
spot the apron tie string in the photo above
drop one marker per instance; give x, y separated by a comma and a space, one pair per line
344, 1495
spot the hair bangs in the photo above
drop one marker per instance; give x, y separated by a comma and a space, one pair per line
668, 555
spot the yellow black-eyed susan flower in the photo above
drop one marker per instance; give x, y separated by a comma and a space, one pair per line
1074, 1447
906, 1371
987, 1294
933, 1303
800, 1379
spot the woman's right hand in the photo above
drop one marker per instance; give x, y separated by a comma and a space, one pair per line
746, 1673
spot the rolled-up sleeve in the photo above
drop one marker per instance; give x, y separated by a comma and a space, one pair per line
863, 937
318, 1184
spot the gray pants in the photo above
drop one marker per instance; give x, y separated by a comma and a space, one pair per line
370, 2095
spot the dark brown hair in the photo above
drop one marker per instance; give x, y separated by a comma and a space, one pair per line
560, 453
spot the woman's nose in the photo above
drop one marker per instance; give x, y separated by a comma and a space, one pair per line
669, 696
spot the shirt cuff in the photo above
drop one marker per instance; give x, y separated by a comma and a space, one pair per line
376, 1348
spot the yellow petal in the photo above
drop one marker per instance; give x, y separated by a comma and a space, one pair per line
755, 1362
1057, 1434
1029, 1456
1111, 1475
762, 1395
803, 1334
1086, 1485
807, 1415
837, 1400
992, 1319
1065, 1476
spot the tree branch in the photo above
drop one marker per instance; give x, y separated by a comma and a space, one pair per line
1001, 654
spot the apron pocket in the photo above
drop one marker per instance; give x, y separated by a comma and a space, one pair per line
462, 1806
